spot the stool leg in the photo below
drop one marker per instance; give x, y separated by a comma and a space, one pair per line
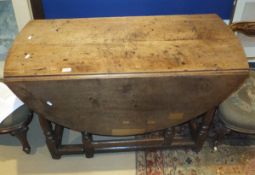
21, 134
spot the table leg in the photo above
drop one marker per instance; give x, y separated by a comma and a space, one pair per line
169, 135
58, 132
203, 130
50, 137
87, 145
199, 134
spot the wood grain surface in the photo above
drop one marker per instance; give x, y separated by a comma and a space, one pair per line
247, 28
124, 45
127, 106
127, 75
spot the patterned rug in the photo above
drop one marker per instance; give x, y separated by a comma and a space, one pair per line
237, 159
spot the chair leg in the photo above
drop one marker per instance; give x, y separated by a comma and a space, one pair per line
221, 132
21, 134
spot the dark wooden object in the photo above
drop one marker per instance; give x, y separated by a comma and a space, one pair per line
37, 9
19, 131
124, 76
247, 28
168, 140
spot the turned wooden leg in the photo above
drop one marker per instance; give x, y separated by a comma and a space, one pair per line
193, 129
87, 146
50, 137
169, 135
21, 134
203, 130
58, 134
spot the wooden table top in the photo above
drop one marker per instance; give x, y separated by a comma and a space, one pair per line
124, 45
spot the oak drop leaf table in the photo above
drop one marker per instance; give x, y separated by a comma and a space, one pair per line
125, 76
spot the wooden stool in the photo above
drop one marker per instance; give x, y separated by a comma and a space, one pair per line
17, 122
17, 125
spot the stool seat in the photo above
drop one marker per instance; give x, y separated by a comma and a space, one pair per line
238, 111
17, 125
20, 117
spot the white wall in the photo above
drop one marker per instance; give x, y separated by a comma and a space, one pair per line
22, 12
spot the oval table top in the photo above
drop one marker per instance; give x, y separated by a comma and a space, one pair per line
125, 75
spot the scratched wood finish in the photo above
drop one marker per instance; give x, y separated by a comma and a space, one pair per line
124, 45
129, 75
126, 106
